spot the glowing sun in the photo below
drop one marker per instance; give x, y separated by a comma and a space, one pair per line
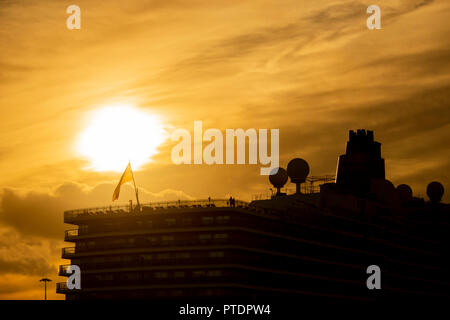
118, 134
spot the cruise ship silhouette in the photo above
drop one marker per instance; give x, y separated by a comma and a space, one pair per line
316, 242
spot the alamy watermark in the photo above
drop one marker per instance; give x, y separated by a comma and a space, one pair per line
213, 153
374, 280
74, 280
74, 20
374, 21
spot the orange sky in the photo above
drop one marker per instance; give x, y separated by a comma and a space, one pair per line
309, 68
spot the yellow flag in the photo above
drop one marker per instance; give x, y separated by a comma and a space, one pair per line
126, 176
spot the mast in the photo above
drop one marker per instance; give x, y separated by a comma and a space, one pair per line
135, 190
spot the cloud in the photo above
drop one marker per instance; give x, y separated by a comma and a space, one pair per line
27, 287
26, 255
41, 214
32, 231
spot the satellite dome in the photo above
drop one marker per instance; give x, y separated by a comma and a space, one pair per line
383, 190
298, 170
435, 191
404, 192
278, 177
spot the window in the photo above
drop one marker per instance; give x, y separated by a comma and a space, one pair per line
163, 256
221, 236
204, 236
119, 241
216, 254
167, 239
126, 258
223, 219
182, 255
199, 273
151, 240
214, 273
161, 275
207, 220
105, 277
84, 229
146, 257
187, 221
131, 276
148, 224
98, 259
208, 292
113, 259
179, 274
176, 293
171, 221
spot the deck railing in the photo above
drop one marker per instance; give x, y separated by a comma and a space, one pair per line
61, 287
71, 234
68, 251
63, 270
152, 206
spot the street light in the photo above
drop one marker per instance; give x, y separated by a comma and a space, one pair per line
45, 280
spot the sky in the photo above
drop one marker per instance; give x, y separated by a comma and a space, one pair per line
311, 69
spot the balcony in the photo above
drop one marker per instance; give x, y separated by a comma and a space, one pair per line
67, 253
71, 235
63, 270
61, 287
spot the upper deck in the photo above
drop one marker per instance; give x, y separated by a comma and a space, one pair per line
73, 216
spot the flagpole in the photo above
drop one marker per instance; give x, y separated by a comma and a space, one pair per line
135, 188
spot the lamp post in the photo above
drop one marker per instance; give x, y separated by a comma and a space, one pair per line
45, 280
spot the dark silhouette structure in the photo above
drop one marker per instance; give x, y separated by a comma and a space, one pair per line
307, 244
361, 163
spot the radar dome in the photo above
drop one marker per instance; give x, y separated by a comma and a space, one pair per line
383, 190
435, 191
278, 177
404, 192
298, 170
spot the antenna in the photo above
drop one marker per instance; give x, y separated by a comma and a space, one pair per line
298, 170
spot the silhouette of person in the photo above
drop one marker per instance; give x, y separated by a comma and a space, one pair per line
231, 201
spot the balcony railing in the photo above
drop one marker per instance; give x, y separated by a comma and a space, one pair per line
61, 287
63, 270
311, 185
68, 252
152, 207
70, 234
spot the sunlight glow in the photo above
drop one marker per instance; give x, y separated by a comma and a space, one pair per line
117, 134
